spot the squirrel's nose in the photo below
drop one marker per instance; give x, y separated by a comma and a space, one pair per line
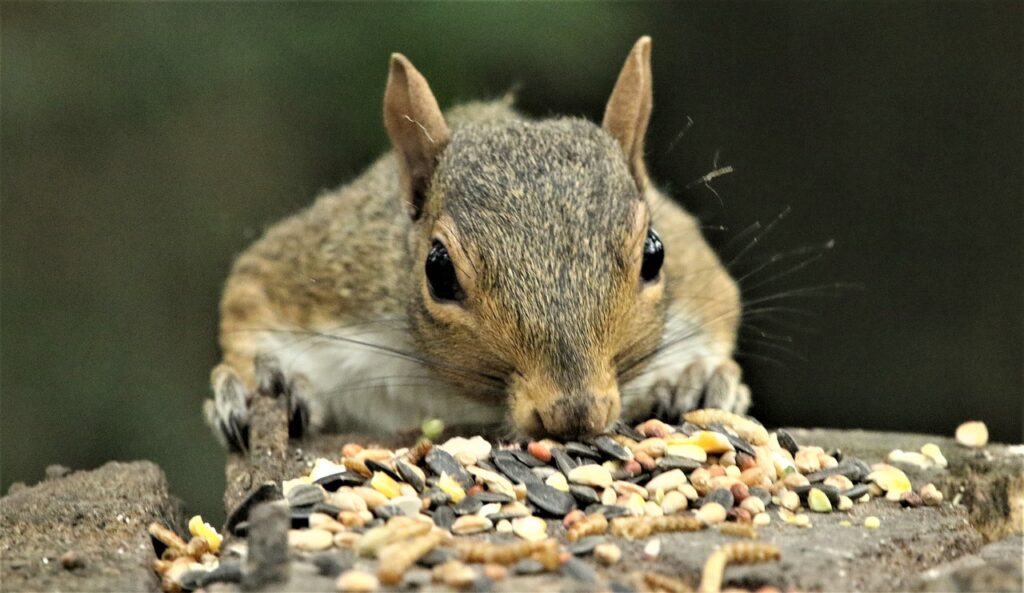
576, 416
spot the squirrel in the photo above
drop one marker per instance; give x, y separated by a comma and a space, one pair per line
491, 270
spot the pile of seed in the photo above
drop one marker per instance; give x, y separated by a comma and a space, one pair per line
715, 470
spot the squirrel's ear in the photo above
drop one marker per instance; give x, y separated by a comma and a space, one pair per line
416, 127
629, 108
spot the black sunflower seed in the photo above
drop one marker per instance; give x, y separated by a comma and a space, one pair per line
579, 449
377, 466
409, 476
489, 496
786, 441
444, 516
333, 482
722, 496
550, 500
610, 511
856, 492
305, 495
441, 462
327, 509
585, 495
527, 459
437, 556
563, 461
609, 447
586, 545
626, 430
468, 505
514, 469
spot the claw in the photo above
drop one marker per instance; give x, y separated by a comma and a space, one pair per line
721, 388
269, 377
689, 388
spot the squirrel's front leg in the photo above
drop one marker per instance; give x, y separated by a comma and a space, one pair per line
704, 383
227, 413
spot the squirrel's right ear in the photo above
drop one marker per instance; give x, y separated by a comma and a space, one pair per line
629, 108
416, 127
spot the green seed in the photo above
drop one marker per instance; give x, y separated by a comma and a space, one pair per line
432, 428
818, 501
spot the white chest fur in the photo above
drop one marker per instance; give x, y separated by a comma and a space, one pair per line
357, 386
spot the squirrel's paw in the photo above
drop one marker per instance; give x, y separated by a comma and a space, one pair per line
702, 384
228, 412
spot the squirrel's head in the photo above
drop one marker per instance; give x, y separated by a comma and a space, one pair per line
532, 254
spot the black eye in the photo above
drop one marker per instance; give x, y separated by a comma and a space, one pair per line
654, 255
444, 284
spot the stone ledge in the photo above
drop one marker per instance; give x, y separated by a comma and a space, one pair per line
100, 515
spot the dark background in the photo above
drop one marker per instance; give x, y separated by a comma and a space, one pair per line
144, 145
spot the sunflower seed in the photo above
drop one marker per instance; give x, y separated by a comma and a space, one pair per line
333, 482
411, 475
625, 430
468, 505
444, 516
441, 462
563, 461
585, 495
586, 545
579, 449
488, 496
610, 511
305, 495
516, 471
551, 501
722, 496
787, 442
609, 447
526, 459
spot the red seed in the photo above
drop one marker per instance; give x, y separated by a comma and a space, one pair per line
474, 489
539, 451
745, 461
739, 491
632, 467
716, 471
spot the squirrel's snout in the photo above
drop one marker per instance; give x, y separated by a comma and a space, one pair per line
575, 416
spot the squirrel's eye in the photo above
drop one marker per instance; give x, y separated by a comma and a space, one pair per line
444, 284
654, 255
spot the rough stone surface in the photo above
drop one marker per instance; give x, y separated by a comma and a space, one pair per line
100, 515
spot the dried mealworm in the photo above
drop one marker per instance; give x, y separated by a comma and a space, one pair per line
738, 530
594, 524
664, 582
641, 527
417, 452
357, 466
168, 538
749, 430
505, 554
735, 553
396, 558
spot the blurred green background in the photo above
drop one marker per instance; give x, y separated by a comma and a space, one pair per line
145, 144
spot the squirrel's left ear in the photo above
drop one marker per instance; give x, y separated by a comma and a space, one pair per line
416, 127
629, 108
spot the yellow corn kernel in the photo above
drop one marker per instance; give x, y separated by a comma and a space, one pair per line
452, 488
199, 528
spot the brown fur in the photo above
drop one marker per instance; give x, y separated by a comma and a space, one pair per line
545, 223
